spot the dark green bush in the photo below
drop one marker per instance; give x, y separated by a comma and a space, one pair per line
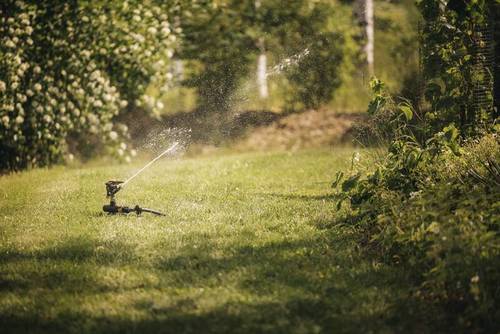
432, 206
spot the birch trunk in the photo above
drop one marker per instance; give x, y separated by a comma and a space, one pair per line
261, 76
366, 17
261, 64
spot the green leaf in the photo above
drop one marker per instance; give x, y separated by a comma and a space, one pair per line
350, 182
338, 178
407, 111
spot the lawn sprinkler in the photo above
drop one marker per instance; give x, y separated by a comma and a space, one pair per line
112, 187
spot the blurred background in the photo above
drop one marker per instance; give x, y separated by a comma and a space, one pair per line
86, 79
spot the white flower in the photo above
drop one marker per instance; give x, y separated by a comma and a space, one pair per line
165, 31
30, 93
98, 104
92, 119
133, 153
107, 97
3, 86
152, 30
127, 159
113, 135
123, 146
136, 18
15, 85
47, 118
10, 44
37, 87
107, 127
21, 97
5, 120
123, 103
19, 119
120, 152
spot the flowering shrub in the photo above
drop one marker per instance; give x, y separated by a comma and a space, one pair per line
67, 69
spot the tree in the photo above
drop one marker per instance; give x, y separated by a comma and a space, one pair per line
225, 37
68, 69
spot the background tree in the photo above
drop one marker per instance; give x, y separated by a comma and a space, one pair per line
225, 37
68, 69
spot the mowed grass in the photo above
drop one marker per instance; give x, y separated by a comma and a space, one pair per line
249, 243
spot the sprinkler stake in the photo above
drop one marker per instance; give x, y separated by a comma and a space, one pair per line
112, 187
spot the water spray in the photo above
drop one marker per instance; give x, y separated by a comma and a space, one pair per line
112, 187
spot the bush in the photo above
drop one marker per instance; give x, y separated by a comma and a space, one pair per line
69, 68
317, 76
432, 207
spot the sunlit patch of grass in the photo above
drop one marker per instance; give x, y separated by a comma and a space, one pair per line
248, 244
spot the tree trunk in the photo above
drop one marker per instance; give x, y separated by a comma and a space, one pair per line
261, 64
262, 76
365, 15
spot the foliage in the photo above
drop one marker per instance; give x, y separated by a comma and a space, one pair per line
452, 34
316, 77
431, 205
69, 68
436, 213
225, 38
389, 119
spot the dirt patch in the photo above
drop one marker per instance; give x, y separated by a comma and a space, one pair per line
312, 128
254, 129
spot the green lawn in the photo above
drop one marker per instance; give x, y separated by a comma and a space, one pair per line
249, 244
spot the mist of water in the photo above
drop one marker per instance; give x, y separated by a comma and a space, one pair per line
286, 63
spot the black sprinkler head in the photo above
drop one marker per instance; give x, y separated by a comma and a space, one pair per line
112, 187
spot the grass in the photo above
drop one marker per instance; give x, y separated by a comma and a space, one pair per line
248, 244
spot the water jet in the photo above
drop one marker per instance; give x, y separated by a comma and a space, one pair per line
113, 187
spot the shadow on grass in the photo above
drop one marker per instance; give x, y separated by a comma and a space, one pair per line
65, 266
319, 284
